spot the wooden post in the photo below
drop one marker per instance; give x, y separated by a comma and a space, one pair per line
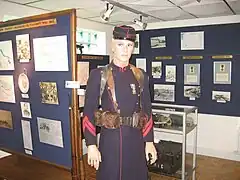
75, 125
74, 170
81, 162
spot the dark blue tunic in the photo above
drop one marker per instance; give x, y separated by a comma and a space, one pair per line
123, 149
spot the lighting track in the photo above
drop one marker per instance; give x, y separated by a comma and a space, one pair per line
127, 8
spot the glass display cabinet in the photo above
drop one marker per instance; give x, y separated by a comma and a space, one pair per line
179, 120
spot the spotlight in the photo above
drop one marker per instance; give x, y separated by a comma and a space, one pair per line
140, 23
106, 15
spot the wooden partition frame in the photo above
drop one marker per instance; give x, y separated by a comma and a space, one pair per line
77, 170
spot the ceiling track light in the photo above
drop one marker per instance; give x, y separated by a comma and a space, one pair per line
127, 8
140, 23
106, 15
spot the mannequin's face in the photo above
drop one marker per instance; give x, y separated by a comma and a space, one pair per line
122, 50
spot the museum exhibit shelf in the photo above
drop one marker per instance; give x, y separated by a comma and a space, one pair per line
184, 120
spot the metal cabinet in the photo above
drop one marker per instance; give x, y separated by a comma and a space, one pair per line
186, 122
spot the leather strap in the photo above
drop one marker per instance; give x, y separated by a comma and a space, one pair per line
138, 75
104, 76
111, 85
107, 77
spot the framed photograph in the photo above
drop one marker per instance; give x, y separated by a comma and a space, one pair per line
6, 56
192, 74
192, 92
23, 48
163, 92
222, 72
6, 119
7, 91
137, 45
49, 92
221, 96
26, 109
170, 73
158, 42
157, 69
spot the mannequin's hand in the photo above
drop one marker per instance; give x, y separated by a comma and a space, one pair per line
94, 156
150, 149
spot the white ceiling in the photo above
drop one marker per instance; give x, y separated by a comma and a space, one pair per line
157, 10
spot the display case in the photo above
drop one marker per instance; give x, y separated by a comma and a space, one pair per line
179, 120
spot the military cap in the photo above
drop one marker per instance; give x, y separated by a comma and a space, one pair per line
124, 32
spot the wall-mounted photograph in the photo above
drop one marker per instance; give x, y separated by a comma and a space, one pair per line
170, 73
137, 45
157, 69
158, 42
192, 92
23, 48
6, 56
221, 96
50, 131
222, 72
7, 92
192, 74
49, 92
163, 92
6, 119
26, 109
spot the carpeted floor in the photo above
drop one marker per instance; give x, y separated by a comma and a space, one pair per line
20, 168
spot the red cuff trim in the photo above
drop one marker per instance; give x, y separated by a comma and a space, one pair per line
147, 127
90, 127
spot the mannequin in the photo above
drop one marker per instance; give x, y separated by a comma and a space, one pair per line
123, 151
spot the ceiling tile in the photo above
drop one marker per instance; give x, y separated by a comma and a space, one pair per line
117, 23
67, 4
170, 14
149, 4
111, 21
232, 0
146, 8
209, 9
179, 2
126, 16
98, 19
84, 13
128, 1
194, 2
13, 9
226, 13
92, 9
184, 15
235, 5
152, 20
22, 1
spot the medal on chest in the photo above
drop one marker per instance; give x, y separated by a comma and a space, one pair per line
133, 87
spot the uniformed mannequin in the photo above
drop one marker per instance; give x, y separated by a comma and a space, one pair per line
123, 152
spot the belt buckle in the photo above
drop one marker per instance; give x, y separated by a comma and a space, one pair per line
135, 120
121, 120
130, 121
